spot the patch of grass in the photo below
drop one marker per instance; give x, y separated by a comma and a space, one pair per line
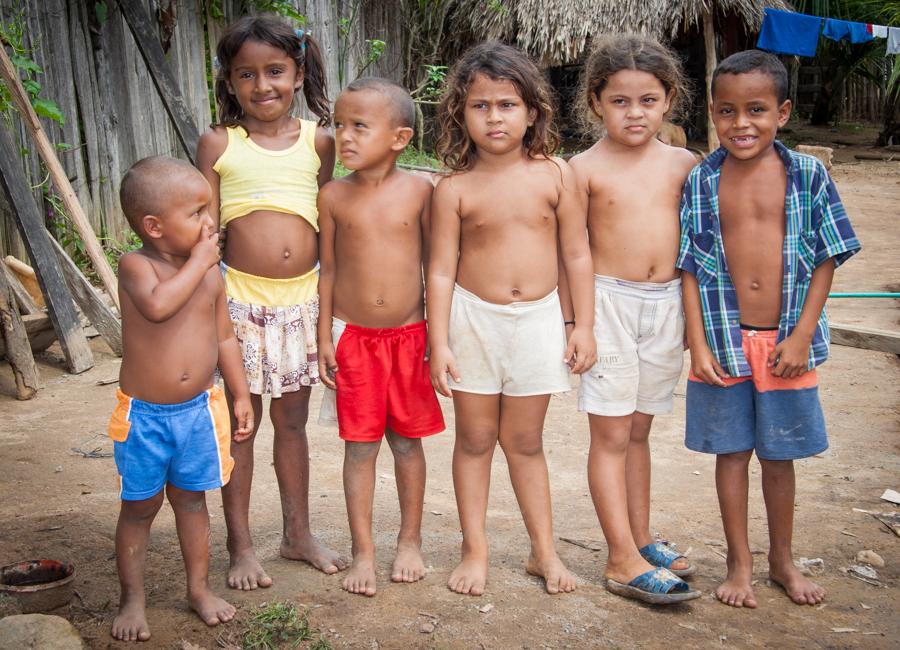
280, 624
418, 158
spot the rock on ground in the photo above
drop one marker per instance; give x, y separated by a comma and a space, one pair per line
39, 631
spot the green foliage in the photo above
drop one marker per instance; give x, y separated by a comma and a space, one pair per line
346, 23
12, 35
430, 89
280, 624
101, 12
414, 157
281, 7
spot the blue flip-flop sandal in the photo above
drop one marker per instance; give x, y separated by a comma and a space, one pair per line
657, 587
662, 555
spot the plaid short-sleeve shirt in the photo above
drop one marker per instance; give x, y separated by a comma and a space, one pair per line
816, 229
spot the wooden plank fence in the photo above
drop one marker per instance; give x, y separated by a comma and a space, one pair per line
113, 114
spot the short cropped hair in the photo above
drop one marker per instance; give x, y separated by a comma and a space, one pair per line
402, 106
755, 61
147, 187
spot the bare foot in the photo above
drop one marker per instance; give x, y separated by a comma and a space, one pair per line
313, 552
209, 607
557, 578
736, 590
246, 573
408, 564
469, 576
798, 587
130, 624
360, 578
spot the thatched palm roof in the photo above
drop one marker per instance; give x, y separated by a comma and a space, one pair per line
557, 31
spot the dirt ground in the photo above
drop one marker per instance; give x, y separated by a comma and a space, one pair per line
58, 504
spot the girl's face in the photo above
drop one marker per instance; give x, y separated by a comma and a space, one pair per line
263, 79
495, 115
632, 105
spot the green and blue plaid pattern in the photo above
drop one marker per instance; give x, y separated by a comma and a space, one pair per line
816, 229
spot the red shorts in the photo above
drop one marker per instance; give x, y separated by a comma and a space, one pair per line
383, 382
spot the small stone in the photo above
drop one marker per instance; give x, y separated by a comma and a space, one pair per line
484, 609
696, 473
864, 606
870, 557
863, 571
58, 469
426, 628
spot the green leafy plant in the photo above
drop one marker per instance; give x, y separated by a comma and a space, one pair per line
12, 35
280, 624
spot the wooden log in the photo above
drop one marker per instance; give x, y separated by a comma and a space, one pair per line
58, 174
90, 302
145, 36
24, 301
865, 338
17, 350
74, 344
26, 276
709, 43
39, 329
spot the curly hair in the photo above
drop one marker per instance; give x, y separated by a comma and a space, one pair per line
272, 30
496, 61
612, 53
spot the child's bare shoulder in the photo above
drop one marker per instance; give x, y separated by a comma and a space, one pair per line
416, 184
134, 262
215, 137
679, 157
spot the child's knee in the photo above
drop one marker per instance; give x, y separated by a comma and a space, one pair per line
736, 459
143, 510
185, 500
524, 445
475, 445
404, 448
361, 452
777, 467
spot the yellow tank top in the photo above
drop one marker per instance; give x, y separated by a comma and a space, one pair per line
252, 178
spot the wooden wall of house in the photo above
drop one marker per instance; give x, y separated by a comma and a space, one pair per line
113, 114
862, 99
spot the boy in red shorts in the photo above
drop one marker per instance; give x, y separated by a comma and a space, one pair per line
373, 232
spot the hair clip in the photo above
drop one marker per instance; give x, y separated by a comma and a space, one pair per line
301, 34
216, 63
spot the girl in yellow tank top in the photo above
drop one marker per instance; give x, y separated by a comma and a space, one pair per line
265, 168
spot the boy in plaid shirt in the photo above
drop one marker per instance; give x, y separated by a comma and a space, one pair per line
762, 231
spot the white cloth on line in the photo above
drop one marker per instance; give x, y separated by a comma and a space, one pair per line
893, 40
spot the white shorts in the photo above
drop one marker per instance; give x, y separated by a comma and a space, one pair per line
515, 349
328, 410
639, 327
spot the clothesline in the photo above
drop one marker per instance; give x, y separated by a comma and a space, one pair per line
786, 32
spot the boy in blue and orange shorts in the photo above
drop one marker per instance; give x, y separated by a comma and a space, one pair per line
372, 333
171, 427
762, 231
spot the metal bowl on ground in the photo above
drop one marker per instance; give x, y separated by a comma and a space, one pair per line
38, 585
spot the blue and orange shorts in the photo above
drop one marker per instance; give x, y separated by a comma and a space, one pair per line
781, 419
187, 444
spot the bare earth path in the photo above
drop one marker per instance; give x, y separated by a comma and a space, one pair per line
60, 505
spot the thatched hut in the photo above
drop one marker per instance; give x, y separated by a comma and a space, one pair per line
558, 32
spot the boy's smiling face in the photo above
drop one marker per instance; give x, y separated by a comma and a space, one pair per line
747, 114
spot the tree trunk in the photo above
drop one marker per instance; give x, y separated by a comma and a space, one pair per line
709, 40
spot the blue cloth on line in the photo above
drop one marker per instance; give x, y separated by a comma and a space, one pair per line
785, 32
838, 30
